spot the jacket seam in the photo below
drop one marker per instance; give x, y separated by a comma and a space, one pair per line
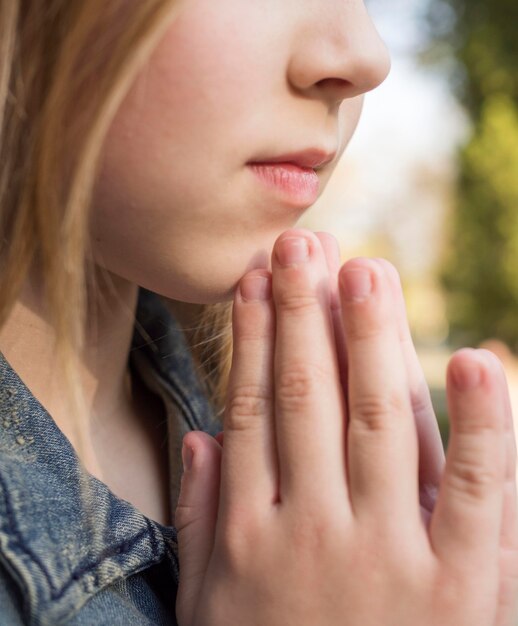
81, 570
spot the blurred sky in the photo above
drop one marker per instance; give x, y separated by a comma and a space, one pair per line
413, 114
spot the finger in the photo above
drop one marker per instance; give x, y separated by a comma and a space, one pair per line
249, 472
332, 254
382, 432
308, 398
508, 604
468, 513
509, 530
431, 451
195, 517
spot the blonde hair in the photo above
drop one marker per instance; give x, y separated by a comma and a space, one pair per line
52, 126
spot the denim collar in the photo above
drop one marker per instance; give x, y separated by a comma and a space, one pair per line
60, 550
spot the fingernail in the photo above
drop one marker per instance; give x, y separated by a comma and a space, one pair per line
292, 251
187, 457
467, 377
255, 288
357, 284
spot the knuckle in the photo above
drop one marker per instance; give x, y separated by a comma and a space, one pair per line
375, 413
185, 516
253, 334
479, 426
245, 402
469, 478
298, 303
365, 327
253, 327
295, 386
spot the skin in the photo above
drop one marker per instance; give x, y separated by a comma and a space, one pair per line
277, 510
175, 207
176, 210
231, 82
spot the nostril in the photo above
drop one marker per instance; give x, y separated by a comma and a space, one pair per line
335, 89
333, 83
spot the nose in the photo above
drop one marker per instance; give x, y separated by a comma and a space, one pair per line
338, 53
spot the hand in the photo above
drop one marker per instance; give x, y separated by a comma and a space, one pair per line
334, 504
431, 453
431, 465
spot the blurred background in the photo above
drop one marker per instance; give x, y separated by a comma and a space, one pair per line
430, 180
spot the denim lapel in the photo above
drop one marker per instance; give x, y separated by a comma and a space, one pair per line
59, 548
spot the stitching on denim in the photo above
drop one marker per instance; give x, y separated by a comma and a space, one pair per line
157, 358
179, 399
81, 570
181, 402
170, 379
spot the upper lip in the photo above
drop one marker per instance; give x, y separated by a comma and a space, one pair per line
314, 158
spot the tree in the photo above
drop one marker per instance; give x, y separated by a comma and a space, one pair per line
481, 270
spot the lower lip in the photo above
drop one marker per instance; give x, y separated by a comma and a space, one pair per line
298, 185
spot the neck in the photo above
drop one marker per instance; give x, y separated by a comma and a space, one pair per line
123, 442
27, 341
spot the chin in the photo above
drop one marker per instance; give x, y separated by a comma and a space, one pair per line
206, 277
202, 288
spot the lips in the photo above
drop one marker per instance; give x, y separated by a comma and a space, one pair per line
293, 177
313, 158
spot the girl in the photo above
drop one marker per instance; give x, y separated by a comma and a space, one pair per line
163, 150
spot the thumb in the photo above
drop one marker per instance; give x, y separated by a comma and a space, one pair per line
195, 518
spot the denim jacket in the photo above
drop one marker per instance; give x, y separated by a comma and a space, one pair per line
62, 561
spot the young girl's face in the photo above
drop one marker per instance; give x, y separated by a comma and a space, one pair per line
179, 207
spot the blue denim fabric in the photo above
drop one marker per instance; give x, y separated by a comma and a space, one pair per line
70, 559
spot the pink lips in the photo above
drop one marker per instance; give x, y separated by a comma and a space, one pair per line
293, 176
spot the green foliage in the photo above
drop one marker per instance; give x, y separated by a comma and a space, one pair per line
484, 39
481, 271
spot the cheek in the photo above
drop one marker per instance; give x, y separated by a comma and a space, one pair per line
196, 86
180, 133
